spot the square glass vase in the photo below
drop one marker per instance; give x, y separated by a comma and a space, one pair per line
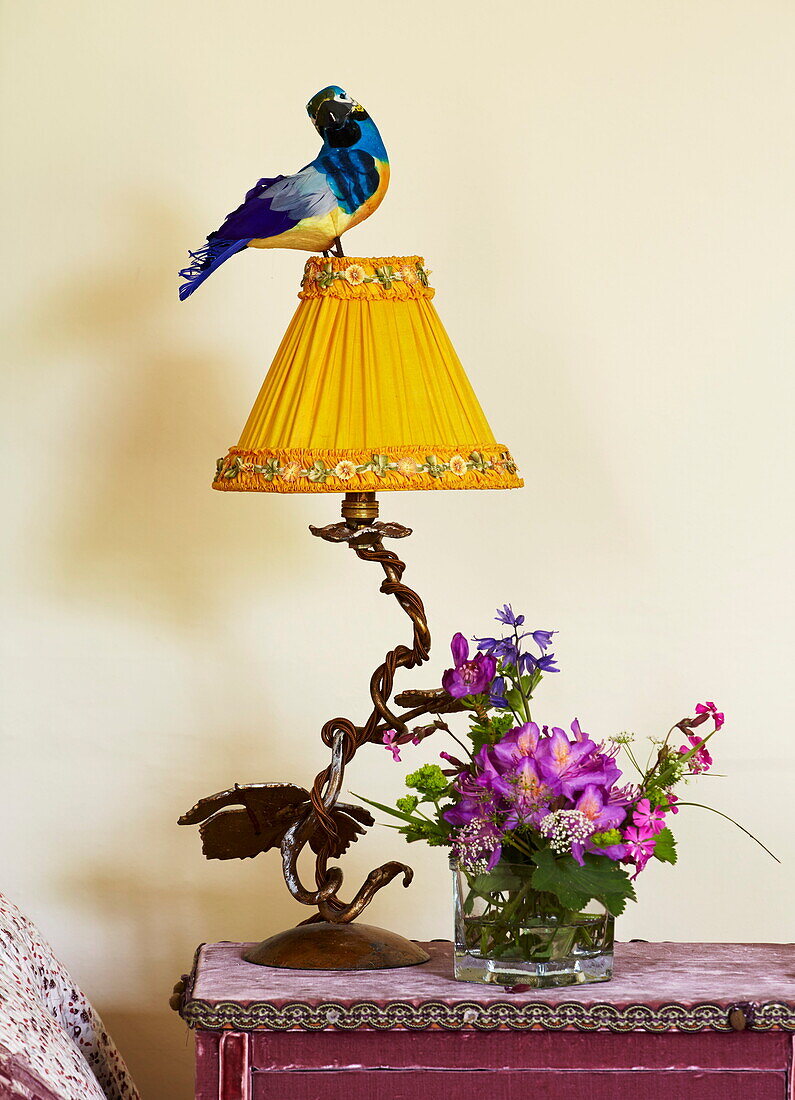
507, 933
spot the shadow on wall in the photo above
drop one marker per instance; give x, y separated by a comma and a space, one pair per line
138, 534
142, 528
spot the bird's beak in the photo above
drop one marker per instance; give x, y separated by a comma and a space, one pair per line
332, 113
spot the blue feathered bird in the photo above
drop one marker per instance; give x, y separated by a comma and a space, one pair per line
341, 187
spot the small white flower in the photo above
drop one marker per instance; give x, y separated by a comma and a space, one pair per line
563, 827
458, 465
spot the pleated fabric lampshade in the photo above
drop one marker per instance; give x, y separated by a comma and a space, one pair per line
366, 393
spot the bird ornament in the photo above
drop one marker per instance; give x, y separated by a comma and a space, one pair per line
254, 817
311, 209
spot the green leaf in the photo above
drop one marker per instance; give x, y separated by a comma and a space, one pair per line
491, 730
552, 876
318, 471
385, 275
665, 846
501, 879
599, 877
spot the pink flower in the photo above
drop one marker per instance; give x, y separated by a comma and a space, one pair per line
640, 846
672, 802
652, 819
710, 708
391, 742
701, 760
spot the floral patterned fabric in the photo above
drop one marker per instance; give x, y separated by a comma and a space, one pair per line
53, 1045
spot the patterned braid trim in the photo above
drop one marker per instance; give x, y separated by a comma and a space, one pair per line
471, 1016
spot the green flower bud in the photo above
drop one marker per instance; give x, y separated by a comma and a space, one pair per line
428, 780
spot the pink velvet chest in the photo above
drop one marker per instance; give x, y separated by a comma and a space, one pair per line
679, 1022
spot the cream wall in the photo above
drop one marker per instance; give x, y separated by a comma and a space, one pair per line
604, 194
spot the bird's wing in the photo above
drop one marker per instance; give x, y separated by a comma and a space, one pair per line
275, 795
352, 174
247, 819
273, 206
349, 821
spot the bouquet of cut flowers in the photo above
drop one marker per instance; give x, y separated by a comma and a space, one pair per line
540, 820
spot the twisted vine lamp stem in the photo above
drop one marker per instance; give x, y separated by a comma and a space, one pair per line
365, 536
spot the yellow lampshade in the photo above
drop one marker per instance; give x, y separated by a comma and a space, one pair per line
366, 393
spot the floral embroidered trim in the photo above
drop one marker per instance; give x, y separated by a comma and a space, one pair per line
355, 274
344, 470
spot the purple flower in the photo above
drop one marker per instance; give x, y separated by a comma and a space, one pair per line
487, 770
507, 616
615, 852
602, 814
504, 649
575, 764
547, 663
468, 677
517, 743
543, 638
578, 734
464, 811
497, 693
622, 796
527, 790
528, 663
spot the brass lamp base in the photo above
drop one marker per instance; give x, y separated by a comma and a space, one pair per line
327, 946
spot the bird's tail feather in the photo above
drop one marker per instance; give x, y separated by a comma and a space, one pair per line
204, 262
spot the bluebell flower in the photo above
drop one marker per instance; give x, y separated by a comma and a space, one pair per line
543, 638
528, 663
547, 663
504, 649
497, 693
507, 616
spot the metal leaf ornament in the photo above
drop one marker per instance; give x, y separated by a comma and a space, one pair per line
246, 820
